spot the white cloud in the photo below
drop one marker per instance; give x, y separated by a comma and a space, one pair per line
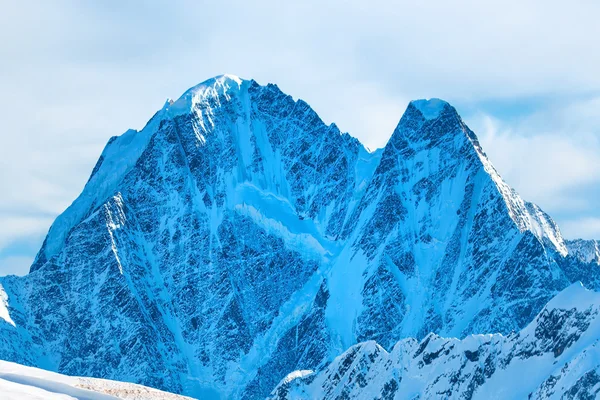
584, 227
15, 265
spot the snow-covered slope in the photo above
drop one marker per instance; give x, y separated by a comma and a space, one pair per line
557, 356
18, 382
237, 238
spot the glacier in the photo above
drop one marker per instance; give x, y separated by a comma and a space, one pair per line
237, 238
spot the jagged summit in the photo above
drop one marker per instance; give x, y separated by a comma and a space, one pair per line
430, 123
430, 108
224, 80
221, 85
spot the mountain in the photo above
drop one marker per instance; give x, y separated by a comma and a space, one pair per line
18, 382
237, 238
556, 356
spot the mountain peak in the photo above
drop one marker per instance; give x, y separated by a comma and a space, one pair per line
225, 84
221, 80
430, 108
428, 122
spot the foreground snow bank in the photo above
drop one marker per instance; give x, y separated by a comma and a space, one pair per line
18, 382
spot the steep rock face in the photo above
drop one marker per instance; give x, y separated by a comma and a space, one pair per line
554, 357
237, 238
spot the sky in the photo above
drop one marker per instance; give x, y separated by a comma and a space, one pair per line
523, 75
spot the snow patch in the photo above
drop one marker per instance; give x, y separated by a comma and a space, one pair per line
4, 314
296, 374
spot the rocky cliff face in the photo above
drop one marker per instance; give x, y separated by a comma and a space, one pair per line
237, 238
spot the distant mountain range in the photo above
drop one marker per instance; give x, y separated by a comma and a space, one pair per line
237, 238
556, 356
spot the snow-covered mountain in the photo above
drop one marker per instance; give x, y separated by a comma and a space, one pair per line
237, 238
18, 382
556, 356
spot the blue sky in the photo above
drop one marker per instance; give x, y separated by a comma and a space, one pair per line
523, 76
